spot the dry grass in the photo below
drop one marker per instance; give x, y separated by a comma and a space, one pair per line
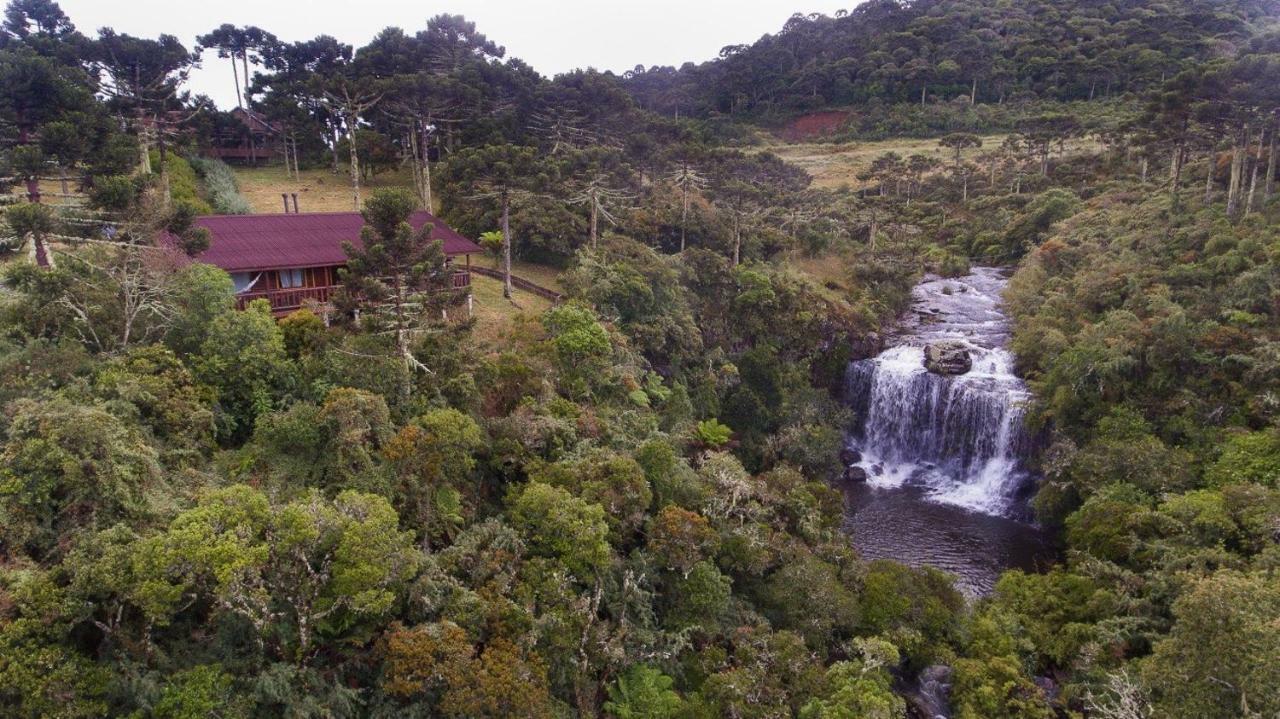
829, 270
318, 190
497, 318
835, 165
50, 193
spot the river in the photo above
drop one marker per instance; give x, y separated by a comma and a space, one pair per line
944, 456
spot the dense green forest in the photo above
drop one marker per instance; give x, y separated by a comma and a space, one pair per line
995, 51
632, 507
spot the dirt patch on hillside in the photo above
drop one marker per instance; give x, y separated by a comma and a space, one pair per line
813, 126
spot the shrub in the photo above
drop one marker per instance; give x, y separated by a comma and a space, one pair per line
184, 186
221, 187
712, 434
1249, 457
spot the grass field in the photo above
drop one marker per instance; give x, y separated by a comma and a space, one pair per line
318, 190
834, 165
498, 318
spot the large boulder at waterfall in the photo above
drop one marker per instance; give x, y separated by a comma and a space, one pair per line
855, 474
947, 358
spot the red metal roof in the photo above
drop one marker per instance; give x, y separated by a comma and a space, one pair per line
239, 243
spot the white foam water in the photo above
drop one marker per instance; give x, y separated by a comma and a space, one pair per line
959, 439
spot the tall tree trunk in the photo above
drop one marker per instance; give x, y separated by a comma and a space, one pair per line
43, 259
355, 163
333, 146
244, 58
236, 74
164, 164
923, 89
253, 144
737, 238
411, 143
595, 219
291, 140
1208, 178
965, 193
38, 248
1253, 179
973, 93
684, 214
506, 245
1269, 185
1176, 171
33, 183
1239, 142
426, 167
402, 341
33, 189
144, 144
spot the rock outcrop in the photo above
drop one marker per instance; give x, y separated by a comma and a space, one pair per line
866, 346
855, 474
947, 358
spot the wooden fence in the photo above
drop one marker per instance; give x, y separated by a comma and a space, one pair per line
520, 283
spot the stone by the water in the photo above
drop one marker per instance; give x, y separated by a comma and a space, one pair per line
855, 474
947, 358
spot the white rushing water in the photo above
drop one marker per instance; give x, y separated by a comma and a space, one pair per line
960, 440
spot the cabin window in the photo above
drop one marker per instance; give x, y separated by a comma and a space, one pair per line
244, 281
290, 278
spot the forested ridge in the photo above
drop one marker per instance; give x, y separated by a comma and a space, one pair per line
630, 504
989, 51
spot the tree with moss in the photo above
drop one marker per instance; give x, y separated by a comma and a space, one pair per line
397, 278
244, 359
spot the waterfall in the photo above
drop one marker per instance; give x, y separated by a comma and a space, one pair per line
961, 438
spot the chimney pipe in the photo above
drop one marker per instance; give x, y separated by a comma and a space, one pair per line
295, 203
285, 197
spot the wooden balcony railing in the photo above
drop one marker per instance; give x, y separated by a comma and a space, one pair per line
287, 300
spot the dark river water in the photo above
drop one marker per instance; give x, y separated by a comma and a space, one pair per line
944, 456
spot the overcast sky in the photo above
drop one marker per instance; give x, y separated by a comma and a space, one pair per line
551, 36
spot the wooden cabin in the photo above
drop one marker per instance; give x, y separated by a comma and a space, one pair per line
246, 137
292, 260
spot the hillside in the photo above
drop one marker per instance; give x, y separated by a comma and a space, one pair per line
922, 360
988, 51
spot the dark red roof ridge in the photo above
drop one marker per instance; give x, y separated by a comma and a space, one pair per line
277, 241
